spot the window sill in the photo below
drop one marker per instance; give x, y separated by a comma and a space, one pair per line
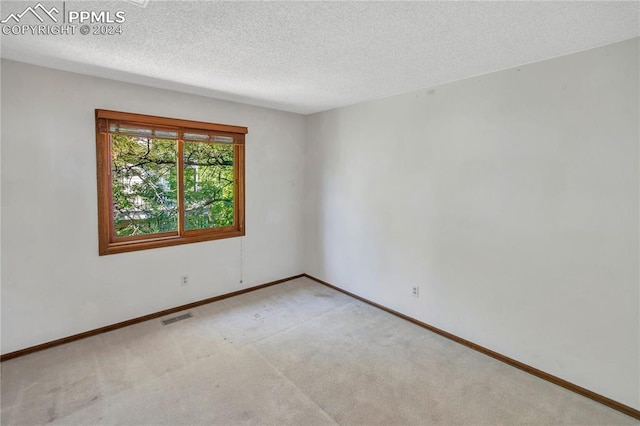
136, 245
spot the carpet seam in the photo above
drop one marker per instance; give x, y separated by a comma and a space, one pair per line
288, 379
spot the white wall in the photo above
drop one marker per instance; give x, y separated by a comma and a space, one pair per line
54, 284
511, 199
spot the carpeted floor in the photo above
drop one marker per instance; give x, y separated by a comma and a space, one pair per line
297, 353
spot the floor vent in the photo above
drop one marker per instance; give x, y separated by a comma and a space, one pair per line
176, 319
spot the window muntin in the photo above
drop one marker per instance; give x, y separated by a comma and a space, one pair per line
165, 181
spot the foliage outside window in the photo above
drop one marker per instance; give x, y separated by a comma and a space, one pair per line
165, 181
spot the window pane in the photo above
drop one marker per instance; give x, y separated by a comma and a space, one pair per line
144, 183
208, 185
196, 137
223, 139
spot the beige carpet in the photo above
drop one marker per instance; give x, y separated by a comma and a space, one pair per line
296, 353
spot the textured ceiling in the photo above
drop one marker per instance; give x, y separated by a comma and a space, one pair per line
307, 57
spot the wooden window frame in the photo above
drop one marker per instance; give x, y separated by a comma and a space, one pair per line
108, 242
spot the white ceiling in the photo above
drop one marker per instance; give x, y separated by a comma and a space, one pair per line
307, 57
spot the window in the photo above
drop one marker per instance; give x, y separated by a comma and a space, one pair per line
165, 181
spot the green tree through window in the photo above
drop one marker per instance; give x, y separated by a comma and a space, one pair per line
166, 181
144, 184
208, 185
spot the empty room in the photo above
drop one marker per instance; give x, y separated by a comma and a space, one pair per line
323, 212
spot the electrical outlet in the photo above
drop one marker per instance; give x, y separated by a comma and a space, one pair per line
184, 280
415, 291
